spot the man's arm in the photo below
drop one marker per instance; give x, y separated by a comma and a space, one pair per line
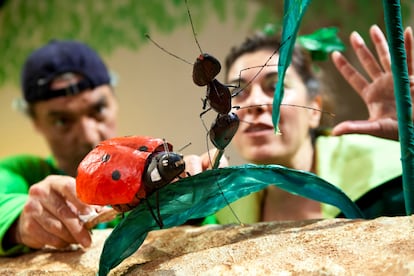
38, 213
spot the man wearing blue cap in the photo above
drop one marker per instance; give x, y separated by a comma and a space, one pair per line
69, 98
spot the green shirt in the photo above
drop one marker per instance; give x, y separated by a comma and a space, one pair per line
354, 163
17, 174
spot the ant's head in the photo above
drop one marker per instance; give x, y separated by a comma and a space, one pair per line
205, 69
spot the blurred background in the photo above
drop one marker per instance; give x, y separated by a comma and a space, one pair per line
155, 90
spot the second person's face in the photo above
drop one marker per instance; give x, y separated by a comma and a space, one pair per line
256, 139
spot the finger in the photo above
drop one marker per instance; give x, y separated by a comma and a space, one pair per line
408, 43
38, 238
55, 233
374, 128
62, 221
193, 164
66, 187
365, 57
64, 190
352, 127
33, 227
381, 46
350, 74
208, 159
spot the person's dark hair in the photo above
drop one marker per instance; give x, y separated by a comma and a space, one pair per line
301, 62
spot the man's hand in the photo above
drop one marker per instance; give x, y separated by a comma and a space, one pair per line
50, 216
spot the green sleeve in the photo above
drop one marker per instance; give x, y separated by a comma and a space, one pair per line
211, 219
17, 174
11, 206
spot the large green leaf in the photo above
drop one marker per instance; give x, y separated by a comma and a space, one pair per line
204, 194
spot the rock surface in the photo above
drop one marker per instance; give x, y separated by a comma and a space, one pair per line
384, 246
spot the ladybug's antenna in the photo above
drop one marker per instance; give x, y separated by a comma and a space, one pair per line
184, 147
192, 27
165, 146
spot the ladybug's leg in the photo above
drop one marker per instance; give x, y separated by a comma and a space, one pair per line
157, 217
157, 203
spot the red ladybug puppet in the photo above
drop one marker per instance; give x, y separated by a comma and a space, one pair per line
122, 171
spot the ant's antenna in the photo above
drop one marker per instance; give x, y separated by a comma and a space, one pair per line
237, 107
192, 27
166, 51
237, 92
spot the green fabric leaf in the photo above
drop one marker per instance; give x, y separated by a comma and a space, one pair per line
206, 193
293, 12
322, 42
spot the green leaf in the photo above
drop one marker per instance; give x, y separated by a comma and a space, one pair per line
322, 42
292, 15
206, 193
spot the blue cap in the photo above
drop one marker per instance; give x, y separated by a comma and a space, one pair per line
56, 58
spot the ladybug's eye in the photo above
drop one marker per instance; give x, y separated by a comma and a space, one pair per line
116, 175
106, 157
143, 148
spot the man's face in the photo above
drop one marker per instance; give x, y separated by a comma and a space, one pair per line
74, 125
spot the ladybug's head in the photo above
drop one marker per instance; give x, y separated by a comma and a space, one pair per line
171, 165
163, 168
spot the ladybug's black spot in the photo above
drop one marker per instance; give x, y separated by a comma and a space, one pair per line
106, 157
116, 175
143, 148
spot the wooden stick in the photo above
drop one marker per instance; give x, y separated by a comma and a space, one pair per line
93, 219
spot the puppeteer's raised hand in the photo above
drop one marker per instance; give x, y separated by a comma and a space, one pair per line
378, 91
